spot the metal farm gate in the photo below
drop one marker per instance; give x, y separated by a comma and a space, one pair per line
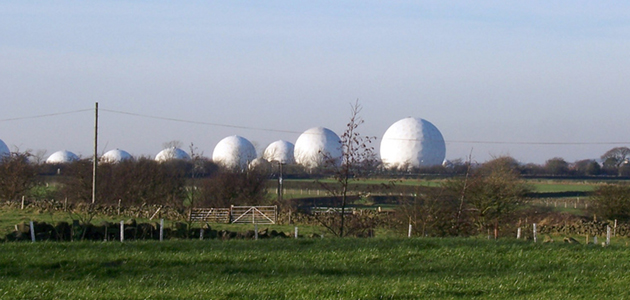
217, 215
236, 214
254, 214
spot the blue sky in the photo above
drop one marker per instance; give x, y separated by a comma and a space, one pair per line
530, 79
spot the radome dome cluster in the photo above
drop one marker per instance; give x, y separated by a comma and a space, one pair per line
412, 143
316, 147
234, 152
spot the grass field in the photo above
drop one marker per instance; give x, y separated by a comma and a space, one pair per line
538, 185
314, 269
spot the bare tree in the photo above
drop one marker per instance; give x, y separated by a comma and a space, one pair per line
230, 187
17, 175
492, 192
173, 144
557, 166
610, 202
357, 161
615, 157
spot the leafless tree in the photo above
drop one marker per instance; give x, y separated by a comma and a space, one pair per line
230, 187
616, 156
17, 175
173, 144
492, 192
357, 162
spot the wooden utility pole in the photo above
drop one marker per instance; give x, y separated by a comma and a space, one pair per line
95, 159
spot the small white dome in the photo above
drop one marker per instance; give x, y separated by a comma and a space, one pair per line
412, 142
62, 157
316, 147
115, 156
280, 151
4, 150
171, 154
234, 152
260, 164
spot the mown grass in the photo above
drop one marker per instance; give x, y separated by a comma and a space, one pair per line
313, 269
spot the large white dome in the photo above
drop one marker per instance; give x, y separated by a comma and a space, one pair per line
171, 154
4, 150
115, 156
316, 147
62, 157
412, 143
281, 151
234, 152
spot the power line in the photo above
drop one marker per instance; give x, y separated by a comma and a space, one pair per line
298, 132
198, 122
46, 115
539, 143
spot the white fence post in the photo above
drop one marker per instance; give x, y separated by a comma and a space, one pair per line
255, 231
201, 234
607, 235
518, 233
595, 240
535, 238
296, 232
409, 232
161, 229
32, 232
122, 231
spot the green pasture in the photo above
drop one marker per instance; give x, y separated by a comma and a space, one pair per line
538, 185
419, 268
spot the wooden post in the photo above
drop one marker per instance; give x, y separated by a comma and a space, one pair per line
122, 231
201, 234
161, 229
296, 232
22, 203
595, 240
535, 238
119, 201
615, 228
32, 232
607, 235
95, 158
518, 233
409, 232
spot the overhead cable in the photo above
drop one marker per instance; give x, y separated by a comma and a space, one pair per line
46, 115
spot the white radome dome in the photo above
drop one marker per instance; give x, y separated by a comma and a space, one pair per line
317, 145
412, 143
172, 153
4, 150
115, 156
62, 157
279, 151
234, 152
